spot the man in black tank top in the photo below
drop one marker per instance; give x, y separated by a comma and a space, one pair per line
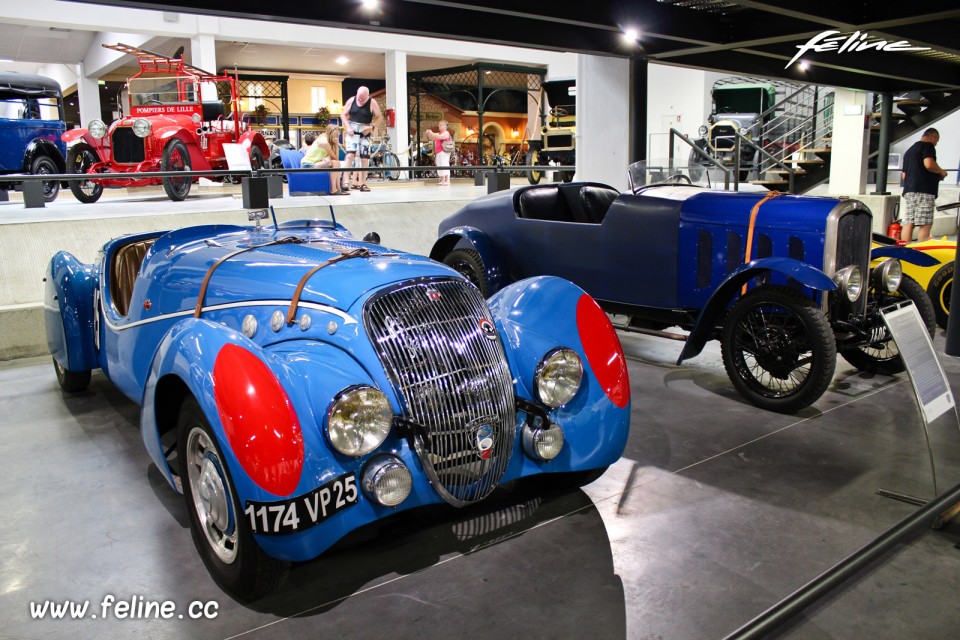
361, 117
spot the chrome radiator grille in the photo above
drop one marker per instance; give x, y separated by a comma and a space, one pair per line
453, 379
853, 245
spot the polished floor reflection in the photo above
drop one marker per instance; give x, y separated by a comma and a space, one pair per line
716, 511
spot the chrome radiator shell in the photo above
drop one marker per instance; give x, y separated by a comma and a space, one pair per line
436, 340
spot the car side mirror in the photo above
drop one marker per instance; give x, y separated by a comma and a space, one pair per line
372, 237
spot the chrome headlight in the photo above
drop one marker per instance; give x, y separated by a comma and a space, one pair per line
97, 129
359, 420
196, 118
850, 281
141, 127
387, 481
887, 275
543, 444
557, 378
702, 131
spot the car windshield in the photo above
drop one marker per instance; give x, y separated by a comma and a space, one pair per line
676, 171
753, 99
153, 90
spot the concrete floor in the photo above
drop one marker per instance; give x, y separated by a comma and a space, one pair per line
716, 511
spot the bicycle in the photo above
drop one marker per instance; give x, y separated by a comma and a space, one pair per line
382, 158
421, 155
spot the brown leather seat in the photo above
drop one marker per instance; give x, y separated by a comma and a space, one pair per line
124, 272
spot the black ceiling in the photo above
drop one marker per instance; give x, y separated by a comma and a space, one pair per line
746, 37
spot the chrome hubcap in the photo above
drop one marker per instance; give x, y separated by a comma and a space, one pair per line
211, 495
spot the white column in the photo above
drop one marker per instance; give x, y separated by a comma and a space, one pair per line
396, 77
533, 114
602, 120
88, 95
848, 160
203, 53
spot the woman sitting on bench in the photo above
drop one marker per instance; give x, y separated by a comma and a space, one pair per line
324, 152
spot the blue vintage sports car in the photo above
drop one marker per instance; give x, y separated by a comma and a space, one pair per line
782, 281
296, 383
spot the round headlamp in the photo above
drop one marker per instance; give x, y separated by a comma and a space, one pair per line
141, 127
702, 131
196, 118
543, 444
359, 420
557, 378
887, 275
97, 129
850, 281
387, 481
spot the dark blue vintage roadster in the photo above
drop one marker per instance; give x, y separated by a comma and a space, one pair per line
782, 281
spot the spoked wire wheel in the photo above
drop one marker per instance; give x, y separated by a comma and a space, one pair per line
778, 349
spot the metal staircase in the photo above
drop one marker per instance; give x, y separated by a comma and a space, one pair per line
800, 138
797, 141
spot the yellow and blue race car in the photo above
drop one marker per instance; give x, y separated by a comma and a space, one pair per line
936, 279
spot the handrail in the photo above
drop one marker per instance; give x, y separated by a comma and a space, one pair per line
781, 102
253, 173
764, 154
702, 154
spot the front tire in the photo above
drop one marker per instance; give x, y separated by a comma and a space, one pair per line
390, 159
219, 529
44, 165
778, 349
939, 293
533, 176
883, 356
80, 157
256, 158
468, 263
71, 381
176, 157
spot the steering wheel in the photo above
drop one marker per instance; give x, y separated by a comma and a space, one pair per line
151, 101
679, 178
558, 112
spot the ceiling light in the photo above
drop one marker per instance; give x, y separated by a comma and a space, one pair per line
631, 35
370, 5
343, 60
803, 65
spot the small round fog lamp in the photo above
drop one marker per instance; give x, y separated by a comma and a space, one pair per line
387, 481
543, 443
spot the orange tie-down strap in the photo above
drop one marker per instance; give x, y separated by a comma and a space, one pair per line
753, 222
206, 279
361, 252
